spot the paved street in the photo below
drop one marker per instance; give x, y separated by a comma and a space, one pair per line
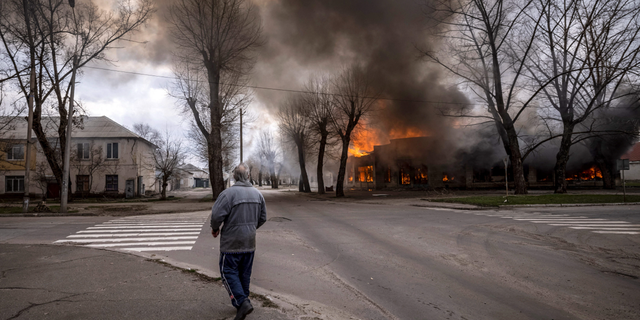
399, 260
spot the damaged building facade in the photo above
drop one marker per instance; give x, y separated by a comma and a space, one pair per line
421, 163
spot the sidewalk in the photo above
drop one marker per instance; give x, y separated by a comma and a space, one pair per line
65, 282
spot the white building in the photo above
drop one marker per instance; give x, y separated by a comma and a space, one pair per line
106, 158
634, 163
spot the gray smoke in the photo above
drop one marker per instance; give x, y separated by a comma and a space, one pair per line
306, 37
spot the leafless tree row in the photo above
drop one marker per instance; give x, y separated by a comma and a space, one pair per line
329, 110
571, 63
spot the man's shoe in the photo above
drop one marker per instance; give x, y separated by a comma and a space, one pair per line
244, 310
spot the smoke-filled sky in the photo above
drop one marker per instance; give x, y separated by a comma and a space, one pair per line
302, 38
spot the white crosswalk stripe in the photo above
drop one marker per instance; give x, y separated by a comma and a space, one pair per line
596, 225
140, 234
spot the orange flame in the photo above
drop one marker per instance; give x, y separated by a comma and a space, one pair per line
364, 139
586, 175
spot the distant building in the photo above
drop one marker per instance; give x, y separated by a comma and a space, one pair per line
187, 176
106, 158
634, 163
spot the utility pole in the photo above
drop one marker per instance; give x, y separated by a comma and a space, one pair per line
27, 155
241, 135
506, 173
32, 92
67, 146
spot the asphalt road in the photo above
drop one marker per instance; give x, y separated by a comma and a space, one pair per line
374, 261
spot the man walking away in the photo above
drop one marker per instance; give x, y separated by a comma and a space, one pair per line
240, 210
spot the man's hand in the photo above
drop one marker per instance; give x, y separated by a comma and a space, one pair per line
215, 233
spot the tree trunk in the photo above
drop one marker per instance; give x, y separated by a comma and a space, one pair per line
319, 172
343, 166
562, 157
260, 177
273, 179
519, 181
606, 168
215, 141
163, 193
300, 186
304, 177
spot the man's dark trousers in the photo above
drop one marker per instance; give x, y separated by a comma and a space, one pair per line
235, 271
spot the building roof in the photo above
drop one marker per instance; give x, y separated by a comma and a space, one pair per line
93, 127
191, 168
633, 154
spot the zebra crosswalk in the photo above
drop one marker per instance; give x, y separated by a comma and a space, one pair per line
595, 225
140, 234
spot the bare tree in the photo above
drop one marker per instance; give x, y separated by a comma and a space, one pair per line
294, 125
221, 36
88, 159
147, 132
318, 104
587, 52
45, 35
353, 100
480, 37
269, 151
167, 159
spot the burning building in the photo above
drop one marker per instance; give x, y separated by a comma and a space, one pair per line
405, 162
422, 163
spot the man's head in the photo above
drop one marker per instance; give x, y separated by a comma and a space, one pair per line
240, 173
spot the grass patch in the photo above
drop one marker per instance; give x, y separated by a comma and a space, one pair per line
158, 199
55, 209
16, 209
207, 198
494, 201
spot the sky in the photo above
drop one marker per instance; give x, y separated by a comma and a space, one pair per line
302, 38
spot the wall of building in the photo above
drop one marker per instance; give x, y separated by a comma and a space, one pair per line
134, 160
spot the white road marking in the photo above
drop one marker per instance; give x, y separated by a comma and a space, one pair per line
138, 230
158, 249
160, 243
124, 239
600, 228
593, 225
146, 227
111, 235
138, 234
597, 225
581, 222
617, 232
559, 218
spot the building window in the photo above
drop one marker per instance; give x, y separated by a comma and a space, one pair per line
112, 150
83, 151
405, 177
14, 184
16, 152
365, 174
82, 183
387, 175
422, 176
112, 183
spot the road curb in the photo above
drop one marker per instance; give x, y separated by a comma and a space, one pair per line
571, 205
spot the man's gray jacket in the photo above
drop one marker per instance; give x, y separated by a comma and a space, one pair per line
243, 210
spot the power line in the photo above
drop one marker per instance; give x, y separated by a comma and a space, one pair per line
283, 89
